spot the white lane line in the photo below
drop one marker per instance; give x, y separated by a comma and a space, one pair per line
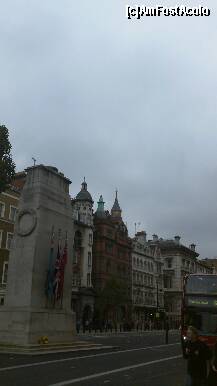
121, 369
82, 357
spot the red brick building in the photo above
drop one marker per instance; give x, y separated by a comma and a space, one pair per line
112, 262
9, 201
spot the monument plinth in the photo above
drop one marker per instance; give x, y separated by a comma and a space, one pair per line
27, 314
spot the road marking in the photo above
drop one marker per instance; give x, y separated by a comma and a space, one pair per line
83, 357
121, 369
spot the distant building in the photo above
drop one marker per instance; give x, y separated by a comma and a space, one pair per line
112, 259
147, 280
82, 289
178, 261
211, 263
9, 201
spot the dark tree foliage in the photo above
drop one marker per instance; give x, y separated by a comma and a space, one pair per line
7, 166
112, 296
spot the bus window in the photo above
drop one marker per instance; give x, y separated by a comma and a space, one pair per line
205, 322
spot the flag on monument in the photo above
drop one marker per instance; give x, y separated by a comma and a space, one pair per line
63, 262
50, 272
57, 268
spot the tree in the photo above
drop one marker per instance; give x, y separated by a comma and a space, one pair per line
112, 297
7, 166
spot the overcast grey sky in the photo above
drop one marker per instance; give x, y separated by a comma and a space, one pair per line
128, 104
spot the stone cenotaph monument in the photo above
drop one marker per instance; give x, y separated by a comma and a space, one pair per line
43, 225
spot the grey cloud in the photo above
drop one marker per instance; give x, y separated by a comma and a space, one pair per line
127, 104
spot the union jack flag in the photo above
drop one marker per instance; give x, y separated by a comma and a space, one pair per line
60, 264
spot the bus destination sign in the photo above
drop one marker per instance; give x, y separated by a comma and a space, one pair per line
196, 301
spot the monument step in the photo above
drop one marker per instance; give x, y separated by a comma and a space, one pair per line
52, 348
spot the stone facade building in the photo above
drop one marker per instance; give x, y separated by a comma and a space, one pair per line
8, 207
147, 281
211, 263
112, 261
82, 289
178, 260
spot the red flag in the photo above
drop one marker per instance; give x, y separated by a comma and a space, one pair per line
57, 273
61, 272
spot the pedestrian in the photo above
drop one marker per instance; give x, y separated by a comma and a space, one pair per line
197, 354
167, 327
78, 326
212, 377
87, 325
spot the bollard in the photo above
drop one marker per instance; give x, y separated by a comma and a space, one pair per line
166, 331
166, 335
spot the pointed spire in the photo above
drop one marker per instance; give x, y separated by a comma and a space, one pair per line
84, 185
116, 206
116, 210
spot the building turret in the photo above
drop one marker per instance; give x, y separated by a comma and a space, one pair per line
84, 195
116, 210
83, 204
100, 212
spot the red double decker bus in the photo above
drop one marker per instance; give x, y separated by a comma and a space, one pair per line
199, 306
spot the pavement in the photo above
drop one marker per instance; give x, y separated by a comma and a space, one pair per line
141, 359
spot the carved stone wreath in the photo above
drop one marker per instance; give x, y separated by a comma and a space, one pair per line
27, 220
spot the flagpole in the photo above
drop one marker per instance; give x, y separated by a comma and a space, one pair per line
56, 269
63, 267
48, 285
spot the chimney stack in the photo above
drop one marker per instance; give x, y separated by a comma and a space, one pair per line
155, 237
141, 236
192, 247
177, 239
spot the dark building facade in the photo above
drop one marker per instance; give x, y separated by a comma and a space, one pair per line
111, 271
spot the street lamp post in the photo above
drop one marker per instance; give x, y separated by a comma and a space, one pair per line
157, 296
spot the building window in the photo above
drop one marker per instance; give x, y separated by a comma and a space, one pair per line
108, 266
167, 282
1, 233
2, 209
109, 232
169, 263
89, 259
78, 240
13, 211
109, 248
90, 239
9, 240
88, 280
74, 257
5, 273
